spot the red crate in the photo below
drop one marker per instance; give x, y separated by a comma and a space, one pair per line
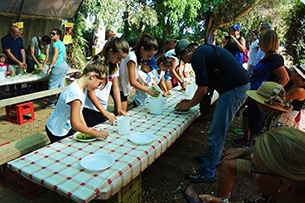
19, 184
20, 113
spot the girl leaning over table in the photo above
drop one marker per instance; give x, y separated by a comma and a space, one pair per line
95, 109
144, 49
67, 116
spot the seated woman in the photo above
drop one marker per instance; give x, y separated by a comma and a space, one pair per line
270, 98
277, 166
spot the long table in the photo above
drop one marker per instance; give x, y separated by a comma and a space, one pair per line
57, 166
30, 78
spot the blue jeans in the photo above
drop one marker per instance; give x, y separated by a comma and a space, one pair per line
57, 79
227, 105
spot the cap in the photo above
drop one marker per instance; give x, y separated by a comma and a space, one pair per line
300, 70
152, 63
236, 27
42, 57
182, 45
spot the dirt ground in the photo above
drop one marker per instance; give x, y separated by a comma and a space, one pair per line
160, 181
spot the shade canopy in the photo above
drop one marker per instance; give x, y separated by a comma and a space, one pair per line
47, 8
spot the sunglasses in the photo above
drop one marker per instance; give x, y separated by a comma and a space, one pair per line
53, 33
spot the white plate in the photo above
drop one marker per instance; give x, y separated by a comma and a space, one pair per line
97, 162
181, 112
82, 140
142, 138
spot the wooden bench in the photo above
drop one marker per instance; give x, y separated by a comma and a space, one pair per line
12, 150
30, 97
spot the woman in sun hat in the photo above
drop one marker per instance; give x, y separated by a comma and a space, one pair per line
270, 98
296, 92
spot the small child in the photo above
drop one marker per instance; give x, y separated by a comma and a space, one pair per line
164, 64
41, 59
3, 67
146, 78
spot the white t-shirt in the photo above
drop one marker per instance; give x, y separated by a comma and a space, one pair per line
157, 76
259, 55
253, 49
3, 69
124, 83
140, 96
101, 94
59, 122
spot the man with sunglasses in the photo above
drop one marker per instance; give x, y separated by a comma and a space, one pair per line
12, 45
217, 68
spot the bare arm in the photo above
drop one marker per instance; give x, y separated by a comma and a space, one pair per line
282, 75
117, 96
296, 94
199, 94
32, 51
92, 96
78, 123
13, 58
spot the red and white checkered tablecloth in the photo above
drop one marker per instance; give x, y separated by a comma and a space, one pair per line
57, 166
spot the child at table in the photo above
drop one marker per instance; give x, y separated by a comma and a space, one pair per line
164, 64
145, 78
95, 109
67, 116
43, 69
145, 48
3, 67
3, 71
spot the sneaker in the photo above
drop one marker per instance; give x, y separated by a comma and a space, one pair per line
199, 178
241, 143
238, 131
49, 106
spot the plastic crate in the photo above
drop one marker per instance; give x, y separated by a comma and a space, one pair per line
131, 193
20, 113
19, 184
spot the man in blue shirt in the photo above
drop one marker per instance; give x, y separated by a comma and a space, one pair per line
12, 46
214, 67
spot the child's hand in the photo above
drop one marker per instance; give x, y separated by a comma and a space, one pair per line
153, 92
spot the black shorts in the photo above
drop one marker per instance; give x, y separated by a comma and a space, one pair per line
123, 97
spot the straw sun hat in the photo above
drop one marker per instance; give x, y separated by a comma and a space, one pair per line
271, 94
300, 70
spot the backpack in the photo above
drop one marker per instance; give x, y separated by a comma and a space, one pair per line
246, 57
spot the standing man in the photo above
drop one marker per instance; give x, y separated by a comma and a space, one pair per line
216, 68
12, 45
37, 46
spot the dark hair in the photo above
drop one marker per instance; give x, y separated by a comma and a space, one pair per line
167, 61
58, 31
255, 32
148, 43
46, 39
118, 45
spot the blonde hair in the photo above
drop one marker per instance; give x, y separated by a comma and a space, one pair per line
268, 41
282, 151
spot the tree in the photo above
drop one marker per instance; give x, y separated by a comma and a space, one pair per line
222, 13
295, 42
174, 15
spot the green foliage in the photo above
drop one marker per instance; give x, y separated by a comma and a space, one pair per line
295, 44
76, 51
